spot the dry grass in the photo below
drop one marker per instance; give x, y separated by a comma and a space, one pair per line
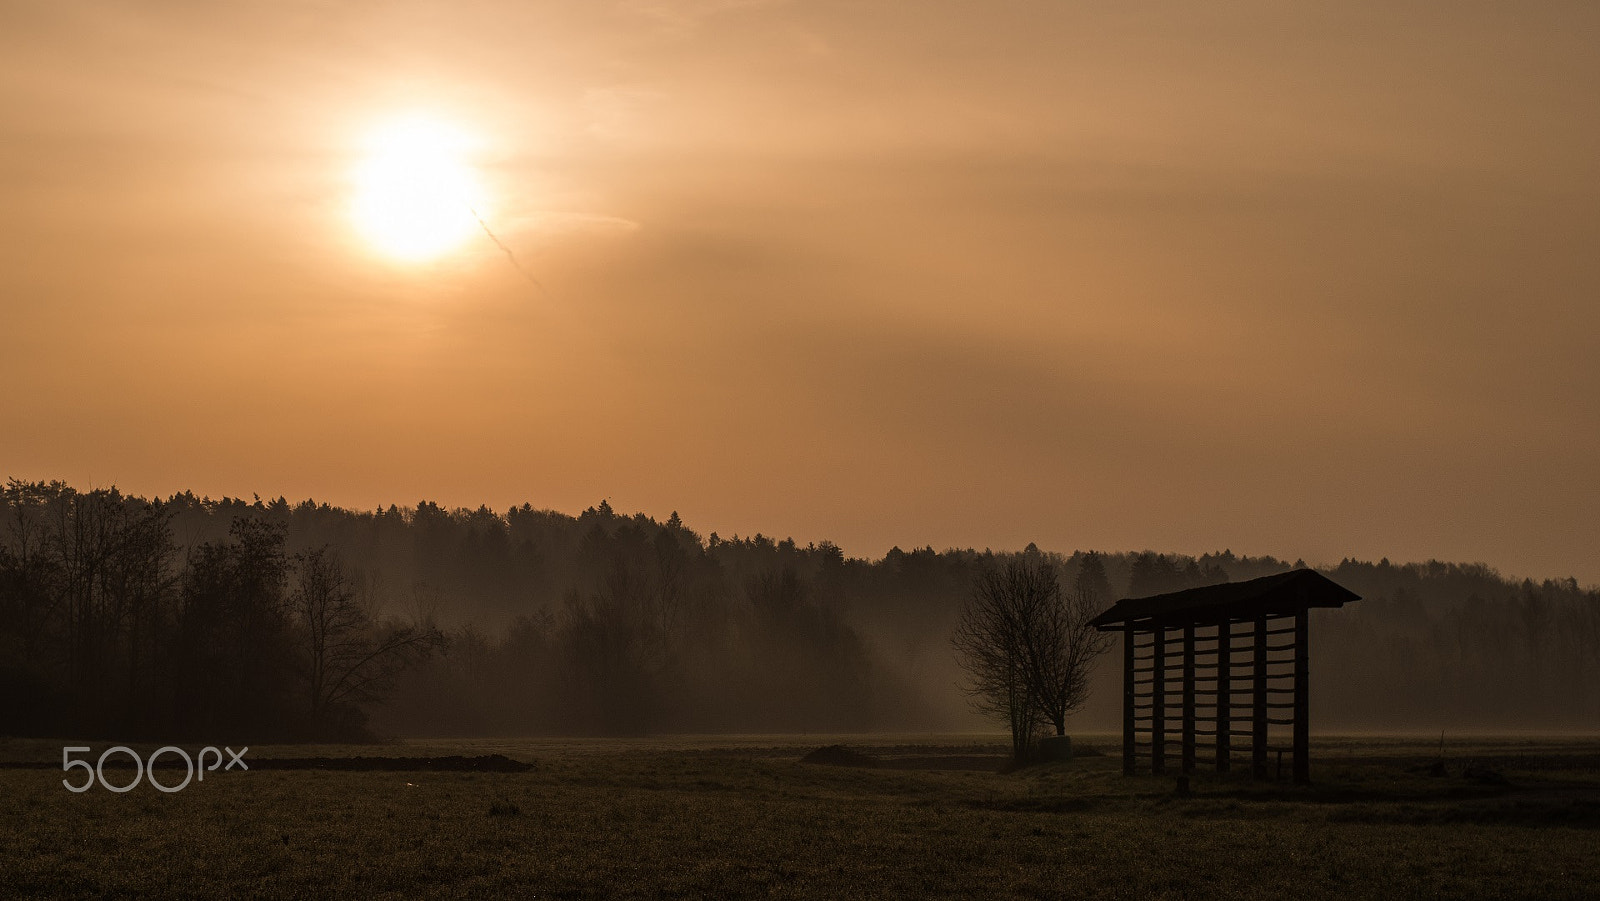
741, 816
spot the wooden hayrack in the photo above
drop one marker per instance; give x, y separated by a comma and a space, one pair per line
1228, 665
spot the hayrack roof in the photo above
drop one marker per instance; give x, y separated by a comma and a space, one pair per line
1275, 595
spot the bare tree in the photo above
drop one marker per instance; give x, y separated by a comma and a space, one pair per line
349, 657
1027, 649
1067, 646
992, 640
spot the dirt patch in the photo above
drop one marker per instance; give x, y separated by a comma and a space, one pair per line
491, 763
839, 755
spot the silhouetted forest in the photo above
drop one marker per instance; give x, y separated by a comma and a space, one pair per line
229, 619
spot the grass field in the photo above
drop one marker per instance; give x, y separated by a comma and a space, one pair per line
743, 816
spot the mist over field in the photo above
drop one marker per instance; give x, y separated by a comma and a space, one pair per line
191, 617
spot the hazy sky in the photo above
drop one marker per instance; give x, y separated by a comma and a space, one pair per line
1309, 279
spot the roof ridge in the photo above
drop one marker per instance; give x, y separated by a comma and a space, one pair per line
1274, 594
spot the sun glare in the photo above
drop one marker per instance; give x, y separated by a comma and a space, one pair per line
415, 192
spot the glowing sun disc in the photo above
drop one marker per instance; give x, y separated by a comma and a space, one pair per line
415, 192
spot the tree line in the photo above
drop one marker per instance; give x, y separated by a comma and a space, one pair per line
192, 616
108, 627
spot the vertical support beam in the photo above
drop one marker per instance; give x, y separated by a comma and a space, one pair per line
1302, 697
1258, 738
1129, 752
1188, 699
1158, 702
1224, 694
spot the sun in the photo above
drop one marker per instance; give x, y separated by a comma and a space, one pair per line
417, 197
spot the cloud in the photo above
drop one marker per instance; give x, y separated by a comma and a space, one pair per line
550, 222
683, 16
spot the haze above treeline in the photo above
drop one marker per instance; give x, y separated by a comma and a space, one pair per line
186, 616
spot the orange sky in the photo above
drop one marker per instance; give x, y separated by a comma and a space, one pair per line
1304, 279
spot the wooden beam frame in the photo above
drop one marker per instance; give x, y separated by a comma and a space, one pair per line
1158, 703
1188, 699
1224, 708
1129, 764
1302, 699
1258, 737
1166, 674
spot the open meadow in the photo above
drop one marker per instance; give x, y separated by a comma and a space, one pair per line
907, 816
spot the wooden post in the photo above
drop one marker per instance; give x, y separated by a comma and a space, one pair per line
1129, 752
1302, 720
1188, 699
1258, 746
1158, 702
1224, 708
